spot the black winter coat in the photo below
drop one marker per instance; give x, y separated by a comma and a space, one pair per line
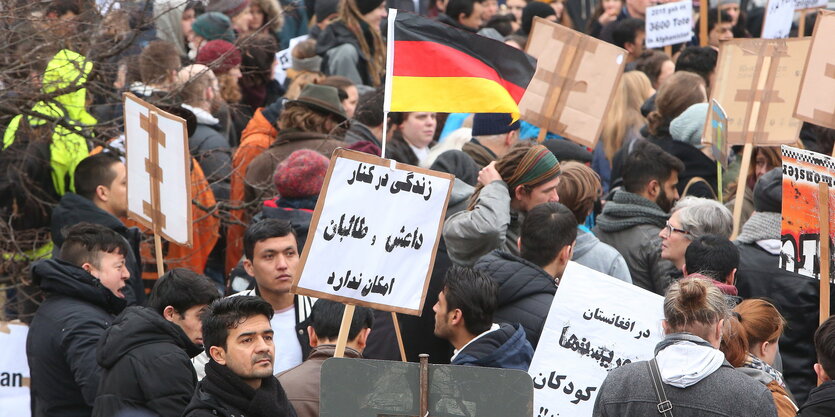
525, 291
796, 297
146, 365
74, 209
61, 345
821, 402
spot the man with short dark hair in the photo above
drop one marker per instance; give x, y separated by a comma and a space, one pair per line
146, 354
720, 28
714, 257
463, 14
699, 60
367, 124
527, 283
629, 34
101, 197
302, 383
821, 400
84, 291
632, 219
464, 317
239, 376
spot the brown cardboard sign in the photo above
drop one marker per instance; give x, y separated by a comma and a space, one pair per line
816, 101
757, 81
374, 234
575, 81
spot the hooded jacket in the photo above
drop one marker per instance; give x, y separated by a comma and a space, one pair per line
146, 363
821, 402
506, 347
74, 209
525, 291
211, 149
341, 53
696, 378
61, 345
591, 252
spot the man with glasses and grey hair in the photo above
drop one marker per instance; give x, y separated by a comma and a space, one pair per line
690, 219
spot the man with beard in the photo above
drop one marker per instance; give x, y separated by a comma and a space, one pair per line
207, 145
632, 219
239, 376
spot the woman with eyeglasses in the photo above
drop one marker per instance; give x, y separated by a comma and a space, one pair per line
691, 218
688, 375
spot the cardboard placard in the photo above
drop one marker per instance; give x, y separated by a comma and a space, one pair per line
596, 323
757, 82
14, 371
575, 82
717, 123
669, 24
810, 4
800, 237
816, 102
778, 19
158, 163
374, 234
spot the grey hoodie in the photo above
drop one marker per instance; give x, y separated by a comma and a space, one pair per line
591, 252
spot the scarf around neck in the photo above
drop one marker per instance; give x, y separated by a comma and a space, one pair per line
761, 226
269, 400
626, 210
754, 362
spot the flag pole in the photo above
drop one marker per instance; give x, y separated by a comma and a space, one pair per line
392, 17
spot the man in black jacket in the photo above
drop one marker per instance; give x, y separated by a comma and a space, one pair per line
239, 376
821, 400
146, 354
101, 197
84, 292
527, 284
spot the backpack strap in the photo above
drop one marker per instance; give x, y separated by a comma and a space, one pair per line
665, 407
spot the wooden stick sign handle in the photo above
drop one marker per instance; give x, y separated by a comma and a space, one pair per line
158, 253
342, 340
823, 214
740, 187
399, 336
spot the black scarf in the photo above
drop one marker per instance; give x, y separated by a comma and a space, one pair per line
268, 401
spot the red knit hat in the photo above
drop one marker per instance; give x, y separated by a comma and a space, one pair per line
301, 174
219, 55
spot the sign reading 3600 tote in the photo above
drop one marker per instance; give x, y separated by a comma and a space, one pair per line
669, 24
374, 234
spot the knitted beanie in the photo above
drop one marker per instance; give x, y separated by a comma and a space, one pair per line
219, 55
768, 193
690, 124
367, 6
325, 8
230, 8
488, 124
213, 25
537, 166
301, 174
535, 9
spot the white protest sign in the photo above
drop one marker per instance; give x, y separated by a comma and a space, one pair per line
669, 24
284, 58
810, 4
159, 164
778, 19
374, 233
14, 371
596, 323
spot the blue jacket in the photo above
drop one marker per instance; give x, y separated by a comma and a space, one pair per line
506, 347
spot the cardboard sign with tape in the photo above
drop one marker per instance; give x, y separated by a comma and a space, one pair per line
816, 102
574, 84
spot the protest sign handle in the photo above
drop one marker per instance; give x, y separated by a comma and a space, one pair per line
823, 214
158, 252
703, 22
719, 195
801, 25
342, 339
399, 336
385, 132
740, 186
668, 49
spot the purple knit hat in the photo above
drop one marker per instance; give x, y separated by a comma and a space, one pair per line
214, 50
301, 174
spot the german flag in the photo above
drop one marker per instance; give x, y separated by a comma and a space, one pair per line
434, 67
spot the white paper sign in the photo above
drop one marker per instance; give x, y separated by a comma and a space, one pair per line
14, 371
174, 162
375, 234
810, 4
284, 58
596, 323
669, 24
778, 19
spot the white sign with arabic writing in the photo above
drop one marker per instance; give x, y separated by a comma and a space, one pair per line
375, 234
14, 371
596, 323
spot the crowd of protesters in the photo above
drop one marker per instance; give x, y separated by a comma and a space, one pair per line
220, 333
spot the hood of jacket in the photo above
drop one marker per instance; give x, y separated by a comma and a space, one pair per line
585, 242
336, 34
685, 359
137, 327
507, 347
68, 70
517, 278
58, 277
74, 209
203, 117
